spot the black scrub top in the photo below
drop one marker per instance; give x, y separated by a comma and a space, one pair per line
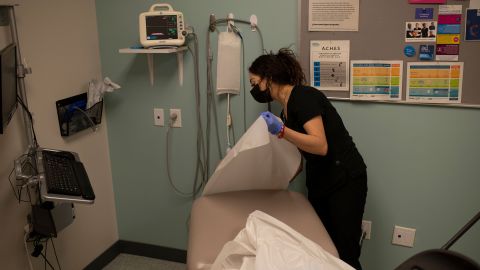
343, 161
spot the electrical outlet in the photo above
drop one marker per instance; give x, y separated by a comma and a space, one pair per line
176, 118
403, 236
158, 117
367, 228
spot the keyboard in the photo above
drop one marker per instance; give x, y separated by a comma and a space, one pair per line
65, 175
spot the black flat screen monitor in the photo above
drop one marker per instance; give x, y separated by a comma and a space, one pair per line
8, 85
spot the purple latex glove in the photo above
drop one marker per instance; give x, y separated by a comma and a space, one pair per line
274, 125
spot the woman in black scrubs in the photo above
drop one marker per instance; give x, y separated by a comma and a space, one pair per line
336, 174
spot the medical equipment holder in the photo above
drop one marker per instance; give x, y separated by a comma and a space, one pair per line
163, 50
74, 117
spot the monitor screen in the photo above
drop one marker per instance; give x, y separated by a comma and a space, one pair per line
8, 84
161, 27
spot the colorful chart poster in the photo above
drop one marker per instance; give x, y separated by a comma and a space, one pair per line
376, 80
472, 26
434, 82
329, 62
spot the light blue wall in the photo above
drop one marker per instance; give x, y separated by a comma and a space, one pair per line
148, 210
423, 166
423, 162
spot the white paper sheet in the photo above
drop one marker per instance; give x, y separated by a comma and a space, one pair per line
267, 243
259, 160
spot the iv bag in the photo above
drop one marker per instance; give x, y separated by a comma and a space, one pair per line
228, 63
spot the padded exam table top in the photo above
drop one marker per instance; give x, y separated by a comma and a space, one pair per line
218, 218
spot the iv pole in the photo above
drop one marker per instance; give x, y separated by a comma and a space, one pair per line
21, 72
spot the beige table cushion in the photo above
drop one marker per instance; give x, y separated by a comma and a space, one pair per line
218, 218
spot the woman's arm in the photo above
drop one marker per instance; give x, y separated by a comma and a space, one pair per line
314, 141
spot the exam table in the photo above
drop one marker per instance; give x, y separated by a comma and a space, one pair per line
216, 219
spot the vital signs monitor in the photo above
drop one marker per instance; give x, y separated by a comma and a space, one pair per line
162, 27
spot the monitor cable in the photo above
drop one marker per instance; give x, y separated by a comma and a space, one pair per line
200, 172
196, 187
30, 118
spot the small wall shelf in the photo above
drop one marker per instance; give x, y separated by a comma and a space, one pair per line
178, 50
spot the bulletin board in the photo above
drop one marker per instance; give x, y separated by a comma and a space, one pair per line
381, 36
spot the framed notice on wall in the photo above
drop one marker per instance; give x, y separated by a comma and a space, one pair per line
327, 15
329, 64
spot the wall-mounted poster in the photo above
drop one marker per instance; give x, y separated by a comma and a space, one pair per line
472, 26
329, 62
434, 82
421, 31
376, 80
327, 15
448, 33
423, 13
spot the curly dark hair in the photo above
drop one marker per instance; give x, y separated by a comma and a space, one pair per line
281, 68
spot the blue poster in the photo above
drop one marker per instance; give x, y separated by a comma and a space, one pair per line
472, 26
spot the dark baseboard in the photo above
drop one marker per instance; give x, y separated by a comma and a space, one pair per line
140, 249
106, 257
153, 251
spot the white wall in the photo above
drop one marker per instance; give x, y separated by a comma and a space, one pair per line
59, 41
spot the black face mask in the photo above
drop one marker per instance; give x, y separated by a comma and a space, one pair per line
261, 96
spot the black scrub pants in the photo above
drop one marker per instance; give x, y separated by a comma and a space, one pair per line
341, 212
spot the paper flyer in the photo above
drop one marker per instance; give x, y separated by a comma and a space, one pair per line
329, 62
426, 52
421, 31
448, 48
450, 9
448, 34
327, 15
424, 13
447, 52
448, 39
434, 82
376, 80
